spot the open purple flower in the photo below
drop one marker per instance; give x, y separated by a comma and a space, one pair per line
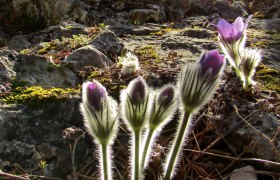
211, 62
231, 32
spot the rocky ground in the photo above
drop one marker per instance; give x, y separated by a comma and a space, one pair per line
48, 51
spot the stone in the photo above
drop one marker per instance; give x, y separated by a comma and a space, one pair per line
141, 16
37, 70
247, 140
19, 42
6, 66
108, 43
31, 134
88, 56
244, 173
48, 12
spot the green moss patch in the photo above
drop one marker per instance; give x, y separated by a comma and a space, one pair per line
37, 95
268, 77
146, 53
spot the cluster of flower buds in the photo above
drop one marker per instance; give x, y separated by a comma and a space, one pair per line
232, 39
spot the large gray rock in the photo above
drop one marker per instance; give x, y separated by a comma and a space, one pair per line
244, 173
30, 134
88, 56
37, 70
108, 43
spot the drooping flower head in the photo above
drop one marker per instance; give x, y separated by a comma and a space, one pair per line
198, 81
99, 111
164, 105
134, 100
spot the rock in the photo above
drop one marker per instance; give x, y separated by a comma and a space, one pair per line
244, 173
36, 70
108, 43
141, 16
247, 140
198, 33
229, 11
88, 56
30, 134
48, 12
6, 65
19, 42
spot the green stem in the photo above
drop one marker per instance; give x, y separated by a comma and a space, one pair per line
146, 147
137, 141
105, 162
246, 84
184, 129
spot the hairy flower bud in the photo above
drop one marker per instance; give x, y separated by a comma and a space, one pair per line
99, 111
163, 107
198, 81
134, 101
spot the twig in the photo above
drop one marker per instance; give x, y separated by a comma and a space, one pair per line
11, 176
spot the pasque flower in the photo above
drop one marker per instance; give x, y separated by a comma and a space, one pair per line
198, 81
232, 39
162, 110
135, 105
196, 85
100, 118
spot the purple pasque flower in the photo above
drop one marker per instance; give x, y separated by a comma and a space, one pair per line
211, 62
95, 94
198, 81
231, 32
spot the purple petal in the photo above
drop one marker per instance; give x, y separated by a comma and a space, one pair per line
224, 28
95, 93
211, 60
138, 91
238, 27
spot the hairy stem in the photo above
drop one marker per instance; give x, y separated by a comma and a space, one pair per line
137, 168
146, 147
182, 131
105, 162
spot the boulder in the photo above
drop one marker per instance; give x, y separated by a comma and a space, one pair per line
108, 43
88, 56
29, 135
244, 173
37, 70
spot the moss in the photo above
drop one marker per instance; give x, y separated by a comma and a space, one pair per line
259, 15
162, 31
146, 52
37, 95
268, 77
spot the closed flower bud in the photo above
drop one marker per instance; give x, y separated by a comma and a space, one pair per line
198, 81
99, 111
211, 63
163, 106
134, 101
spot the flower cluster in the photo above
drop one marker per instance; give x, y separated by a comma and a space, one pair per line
128, 62
145, 108
232, 39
